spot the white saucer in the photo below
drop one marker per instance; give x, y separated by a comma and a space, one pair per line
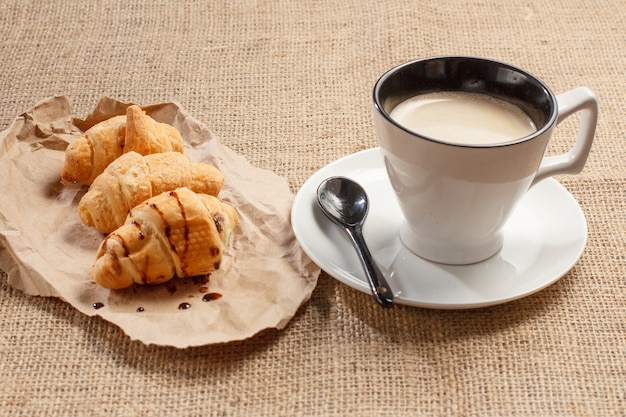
544, 238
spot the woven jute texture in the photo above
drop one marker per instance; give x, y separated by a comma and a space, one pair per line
288, 85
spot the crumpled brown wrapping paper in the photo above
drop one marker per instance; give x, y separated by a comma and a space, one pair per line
46, 250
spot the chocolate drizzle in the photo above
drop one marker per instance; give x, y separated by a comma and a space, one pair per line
138, 226
170, 230
122, 242
183, 214
218, 219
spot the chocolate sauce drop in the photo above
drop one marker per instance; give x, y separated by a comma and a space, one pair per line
171, 287
184, 306
98, 306
212, 296
140, 309
200, 279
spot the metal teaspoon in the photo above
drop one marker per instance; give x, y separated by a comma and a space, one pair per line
345, 203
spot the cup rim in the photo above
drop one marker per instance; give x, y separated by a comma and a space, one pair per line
540, 131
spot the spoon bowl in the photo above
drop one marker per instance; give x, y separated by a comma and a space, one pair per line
345, 203
343, 200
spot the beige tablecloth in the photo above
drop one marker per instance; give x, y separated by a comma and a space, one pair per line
287, 84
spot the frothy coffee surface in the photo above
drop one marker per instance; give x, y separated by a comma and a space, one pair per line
463, 118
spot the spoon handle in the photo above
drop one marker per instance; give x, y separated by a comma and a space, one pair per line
377, 282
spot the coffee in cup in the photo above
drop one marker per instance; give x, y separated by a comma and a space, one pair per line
463, 118
457, 188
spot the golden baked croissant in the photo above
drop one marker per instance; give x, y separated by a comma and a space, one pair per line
132, 179
88, 156
176, 233
146, 136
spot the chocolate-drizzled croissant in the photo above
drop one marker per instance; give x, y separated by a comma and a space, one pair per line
133, 178
177, 233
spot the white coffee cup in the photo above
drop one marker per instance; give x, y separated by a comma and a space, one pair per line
456, 197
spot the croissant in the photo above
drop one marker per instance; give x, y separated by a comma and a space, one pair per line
132, 179
146, 136
88, 156
176, 233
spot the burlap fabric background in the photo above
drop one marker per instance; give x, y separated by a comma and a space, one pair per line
287, 84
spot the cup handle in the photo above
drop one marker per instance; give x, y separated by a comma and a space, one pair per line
579, 99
